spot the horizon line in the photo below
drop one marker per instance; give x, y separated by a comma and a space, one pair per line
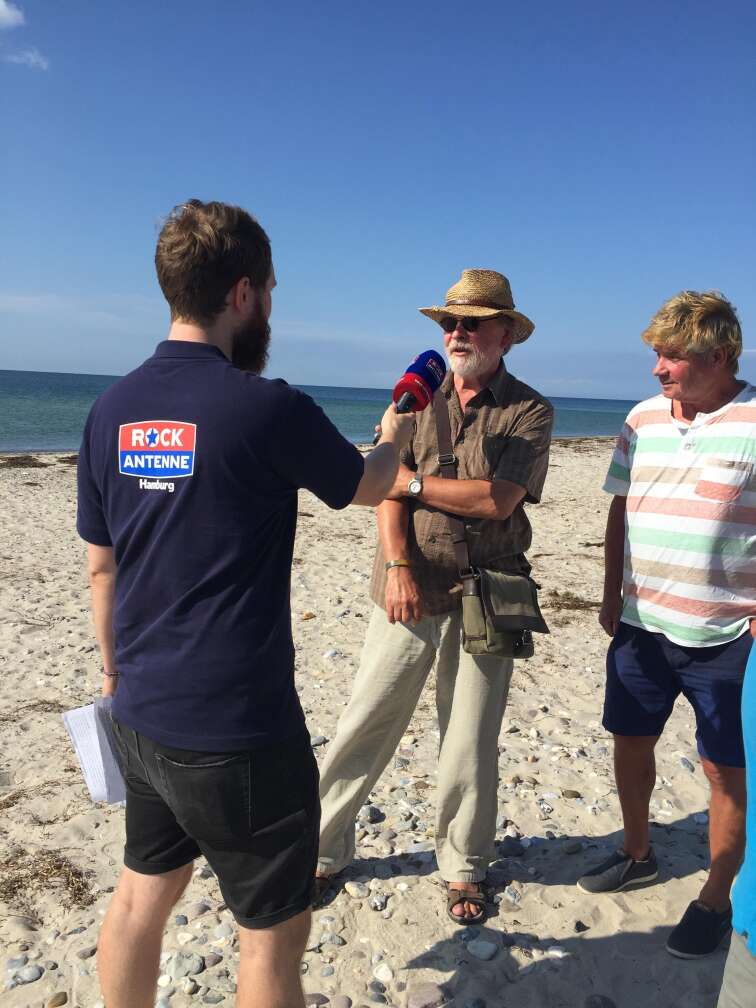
362, 388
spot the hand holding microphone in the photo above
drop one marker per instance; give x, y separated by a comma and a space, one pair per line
395, 427
416, 388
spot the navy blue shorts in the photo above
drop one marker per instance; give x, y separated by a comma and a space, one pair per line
645, 674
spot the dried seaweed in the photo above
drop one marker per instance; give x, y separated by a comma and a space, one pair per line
34, 707
584, 444
22, 462
568, 600
20, 793
24, 874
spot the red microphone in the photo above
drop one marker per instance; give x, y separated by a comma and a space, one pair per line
417, 386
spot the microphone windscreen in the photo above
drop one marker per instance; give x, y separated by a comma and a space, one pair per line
412, 392
430, 366
421, 379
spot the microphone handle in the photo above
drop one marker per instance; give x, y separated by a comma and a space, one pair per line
404, 404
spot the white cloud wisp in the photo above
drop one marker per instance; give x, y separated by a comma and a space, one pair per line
31, 58
11, 16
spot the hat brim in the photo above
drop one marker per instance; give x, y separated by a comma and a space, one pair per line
523, 329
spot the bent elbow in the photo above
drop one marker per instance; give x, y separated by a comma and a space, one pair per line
368, 497
501, 513
101, 563
498, 508
98, 576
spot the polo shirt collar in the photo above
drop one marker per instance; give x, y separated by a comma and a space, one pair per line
497, 386
188, 349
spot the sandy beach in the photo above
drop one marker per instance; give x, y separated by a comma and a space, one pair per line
384, 939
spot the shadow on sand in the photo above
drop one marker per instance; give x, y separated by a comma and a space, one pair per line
632, 967
681, 847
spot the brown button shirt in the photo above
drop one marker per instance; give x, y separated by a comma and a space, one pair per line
504, 433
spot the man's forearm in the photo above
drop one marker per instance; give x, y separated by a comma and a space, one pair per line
102, 588
392, 518
380, 470
472, 498
614, 547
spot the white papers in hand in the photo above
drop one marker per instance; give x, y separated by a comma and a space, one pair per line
91, 732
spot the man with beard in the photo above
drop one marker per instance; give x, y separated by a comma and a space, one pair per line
501, 431
188, 477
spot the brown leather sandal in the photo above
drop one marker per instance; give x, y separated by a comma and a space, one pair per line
455, 896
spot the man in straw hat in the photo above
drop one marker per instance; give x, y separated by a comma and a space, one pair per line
501, 431
680, 596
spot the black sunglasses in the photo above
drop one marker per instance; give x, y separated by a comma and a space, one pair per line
448, 323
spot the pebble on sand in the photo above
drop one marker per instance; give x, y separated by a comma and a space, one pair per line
357, 890
557, 952
185, 964
483, 950
29, 974
426, 995
383, 972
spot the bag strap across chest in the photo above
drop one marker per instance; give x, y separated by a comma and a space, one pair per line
447, 462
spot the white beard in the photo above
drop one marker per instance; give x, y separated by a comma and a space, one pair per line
474, 363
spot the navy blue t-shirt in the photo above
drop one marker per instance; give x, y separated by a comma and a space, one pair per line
189, 469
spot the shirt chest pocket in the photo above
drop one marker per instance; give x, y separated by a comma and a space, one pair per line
723, 480
492, 447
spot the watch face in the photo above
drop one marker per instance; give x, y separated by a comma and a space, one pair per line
415, 486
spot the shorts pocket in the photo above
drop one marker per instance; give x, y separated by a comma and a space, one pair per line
211, 800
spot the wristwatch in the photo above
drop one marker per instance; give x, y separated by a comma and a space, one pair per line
415, 485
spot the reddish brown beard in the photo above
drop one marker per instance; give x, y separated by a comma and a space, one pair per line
249, 350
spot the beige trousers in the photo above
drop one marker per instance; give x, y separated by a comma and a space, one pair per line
471, 695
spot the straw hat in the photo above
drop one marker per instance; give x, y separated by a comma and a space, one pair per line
482, 294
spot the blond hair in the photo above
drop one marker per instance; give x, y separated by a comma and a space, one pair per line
697, 323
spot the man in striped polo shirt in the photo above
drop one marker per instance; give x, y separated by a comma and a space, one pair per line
680, 594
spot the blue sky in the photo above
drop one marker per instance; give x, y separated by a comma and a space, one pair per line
602, 156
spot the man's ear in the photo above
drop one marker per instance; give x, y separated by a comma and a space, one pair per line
241, 296
718, 357
507, 340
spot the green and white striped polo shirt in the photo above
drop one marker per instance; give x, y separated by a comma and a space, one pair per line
690, 532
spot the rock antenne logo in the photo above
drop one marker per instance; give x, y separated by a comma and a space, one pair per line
157, 448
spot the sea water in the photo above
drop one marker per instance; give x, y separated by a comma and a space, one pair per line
45, 411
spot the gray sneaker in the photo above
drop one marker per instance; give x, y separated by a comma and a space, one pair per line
619, 872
